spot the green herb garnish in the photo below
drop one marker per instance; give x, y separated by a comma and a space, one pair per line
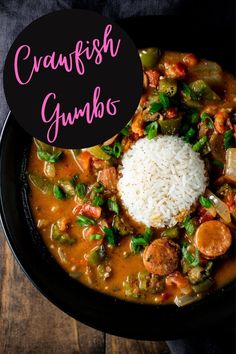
192, 260
140, 241
46, 156
199, 144
80, 190
189, 225
83, 220
205, 202
58, 192
99, 188
110, 236
114, 151
155, 107
189, 92
189, 135
113, 206
164, 100
206, 119
95, 237
151, 130
98, 200
228, 139
125, 131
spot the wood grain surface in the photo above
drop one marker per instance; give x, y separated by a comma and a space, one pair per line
30, 324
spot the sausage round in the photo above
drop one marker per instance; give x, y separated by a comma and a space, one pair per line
213, 239
161, 256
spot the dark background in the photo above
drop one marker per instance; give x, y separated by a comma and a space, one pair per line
16, 14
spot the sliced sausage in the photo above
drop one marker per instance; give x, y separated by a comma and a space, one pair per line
213, 239
161, 256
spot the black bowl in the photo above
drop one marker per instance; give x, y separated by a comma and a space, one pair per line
95, 309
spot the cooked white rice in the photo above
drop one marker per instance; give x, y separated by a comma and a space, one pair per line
160, 179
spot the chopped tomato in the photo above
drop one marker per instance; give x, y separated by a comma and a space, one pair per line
229, 200
175, 71
205, 217
89, 210
153, 77
171, 113
108, 177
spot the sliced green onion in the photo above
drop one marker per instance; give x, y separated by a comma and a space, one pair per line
189, 92
206, 119
111, 236
199, 144
164, 100
189, 225
98, 200
58, 192
80, 190
194, 117
205, 202
140, 241
83, 220
113, 206
189, 135
193, 260
228, 139
99, 188
151, 130
155, 107
114, 151
95, 237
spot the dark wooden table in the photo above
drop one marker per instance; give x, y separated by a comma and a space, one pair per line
30, 324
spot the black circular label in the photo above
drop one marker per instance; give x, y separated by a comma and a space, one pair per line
73, 78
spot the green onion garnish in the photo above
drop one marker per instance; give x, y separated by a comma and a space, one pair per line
151, 130
228, 139
80, 190
199, 144
189, 225
155, 107
95, 237
83, 220
98, 200
111, 236
164, 100
113, 206
58, 192
206, 119
193, 260
205, 202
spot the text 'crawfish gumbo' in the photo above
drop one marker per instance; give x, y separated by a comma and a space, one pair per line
149, 215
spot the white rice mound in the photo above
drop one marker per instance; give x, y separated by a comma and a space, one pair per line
160, 180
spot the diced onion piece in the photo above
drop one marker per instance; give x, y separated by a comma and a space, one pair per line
182, 300
230, 167
98, 152
221, 208
212, 211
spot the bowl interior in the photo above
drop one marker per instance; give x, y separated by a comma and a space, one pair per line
91, 307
